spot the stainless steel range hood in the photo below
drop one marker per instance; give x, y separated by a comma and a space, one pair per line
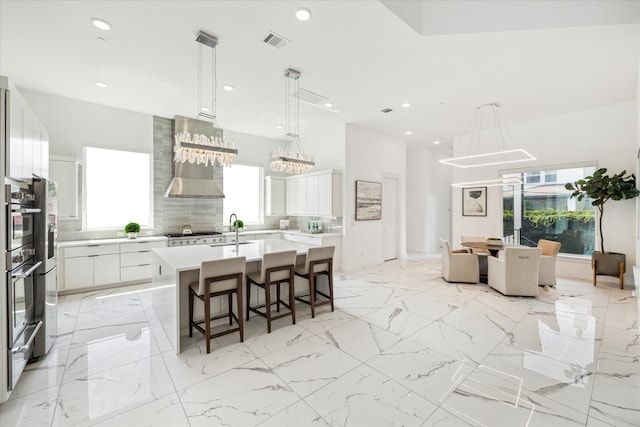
191, 180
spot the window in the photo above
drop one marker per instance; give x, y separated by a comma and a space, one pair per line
243, 193
117, 188
534, 211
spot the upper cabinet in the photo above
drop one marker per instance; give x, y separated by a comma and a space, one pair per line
314, 194
274, 196
28, 145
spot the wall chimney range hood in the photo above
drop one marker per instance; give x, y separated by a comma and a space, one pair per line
193, 180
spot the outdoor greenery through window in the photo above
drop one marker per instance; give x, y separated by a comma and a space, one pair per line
540, 208
243, 193
117, 188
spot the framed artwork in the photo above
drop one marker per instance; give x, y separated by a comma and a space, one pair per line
474, 201
368, 201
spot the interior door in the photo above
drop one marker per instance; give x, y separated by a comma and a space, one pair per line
389, 219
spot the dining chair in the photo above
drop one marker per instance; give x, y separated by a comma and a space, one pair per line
218, 278
482, 253
458, 266
318, 262
547, 270
515, 271
277, 268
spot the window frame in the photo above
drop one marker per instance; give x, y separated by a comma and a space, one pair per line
84, 226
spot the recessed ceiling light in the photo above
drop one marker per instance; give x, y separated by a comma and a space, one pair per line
228, 88
101, 84
409, 132
328, 104
406, 105
303, 14
101, 23
278, 126
437, 141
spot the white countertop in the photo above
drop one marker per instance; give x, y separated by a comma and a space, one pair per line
302, 233
139, 239
184, 258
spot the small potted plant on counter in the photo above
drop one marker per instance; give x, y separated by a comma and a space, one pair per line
238, 225
601, 188
132, 229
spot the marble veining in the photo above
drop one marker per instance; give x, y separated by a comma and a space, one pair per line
403, 347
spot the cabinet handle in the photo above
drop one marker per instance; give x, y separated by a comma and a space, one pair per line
92, 246
91, 256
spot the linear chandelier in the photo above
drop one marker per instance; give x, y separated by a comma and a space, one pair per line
505, 151
489, 182
290, 157
206, 145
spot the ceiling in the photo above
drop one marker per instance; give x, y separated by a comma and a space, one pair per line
362, 55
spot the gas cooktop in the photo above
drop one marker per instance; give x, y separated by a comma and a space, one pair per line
203, 233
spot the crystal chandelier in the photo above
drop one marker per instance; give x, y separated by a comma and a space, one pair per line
205, 144
290, 157
505, 151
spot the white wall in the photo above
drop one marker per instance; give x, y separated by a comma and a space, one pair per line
428, 199
327, 146
371, 156
605, 135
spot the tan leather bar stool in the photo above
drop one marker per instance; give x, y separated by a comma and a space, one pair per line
277, 268
218, 278
319, 261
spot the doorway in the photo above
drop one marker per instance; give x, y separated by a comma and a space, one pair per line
389, 219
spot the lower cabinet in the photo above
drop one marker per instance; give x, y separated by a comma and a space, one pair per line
135, 260
93, 265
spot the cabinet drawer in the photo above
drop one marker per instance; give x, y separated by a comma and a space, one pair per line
89, 250
135, 258
141, 246
310, 240
138, 272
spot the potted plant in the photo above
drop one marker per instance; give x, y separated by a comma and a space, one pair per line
238, 224
601, 188
132, 229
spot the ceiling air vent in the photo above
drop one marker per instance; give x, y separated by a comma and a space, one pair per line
311, 97
275, 40
386, 110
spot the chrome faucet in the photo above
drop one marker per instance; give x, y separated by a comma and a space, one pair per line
237, 232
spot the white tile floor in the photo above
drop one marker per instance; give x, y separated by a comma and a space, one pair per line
403, 347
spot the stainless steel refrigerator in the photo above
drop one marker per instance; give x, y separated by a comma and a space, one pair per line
46, 282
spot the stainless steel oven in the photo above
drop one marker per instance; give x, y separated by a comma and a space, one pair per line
20, 216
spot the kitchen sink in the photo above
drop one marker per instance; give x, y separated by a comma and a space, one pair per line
229, 244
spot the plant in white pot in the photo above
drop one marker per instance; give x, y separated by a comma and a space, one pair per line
132, 229
601, 188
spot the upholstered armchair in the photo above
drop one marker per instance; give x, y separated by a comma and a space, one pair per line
459, 266
547, 270
515, 271
482, 253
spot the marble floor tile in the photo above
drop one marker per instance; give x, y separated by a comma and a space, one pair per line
310, 364
42, 375
100, 396
299, 414
361, 339
423, 305
357, 305
615, 402
397, 321
442, 418
365, 397
30, 410
278, 339
325, 321
122, 325
165, 411
243, 396
487, 325
618, 364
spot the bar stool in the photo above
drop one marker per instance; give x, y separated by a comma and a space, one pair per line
277, 268
319, 261
218, 278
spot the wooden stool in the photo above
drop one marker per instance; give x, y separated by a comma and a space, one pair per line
319, 261
218, 278
620, 275
277, 268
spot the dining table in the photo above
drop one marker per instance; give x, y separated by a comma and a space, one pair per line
493, 248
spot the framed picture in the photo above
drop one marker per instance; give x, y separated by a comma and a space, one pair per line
474, 201
368, 201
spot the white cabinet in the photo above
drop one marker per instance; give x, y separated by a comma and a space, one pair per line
318, 240
64, 171
241, 238
275, 196
92, 265
314, 194
135, 260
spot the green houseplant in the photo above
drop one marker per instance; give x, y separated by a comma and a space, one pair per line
601, 188
238, 224
132, 229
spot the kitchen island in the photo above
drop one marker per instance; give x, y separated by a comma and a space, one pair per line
175, 268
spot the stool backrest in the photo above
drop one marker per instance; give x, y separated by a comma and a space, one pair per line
316, 254
277, 259
549, 247
220, 268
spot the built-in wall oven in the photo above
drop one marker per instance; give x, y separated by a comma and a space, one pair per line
21, 271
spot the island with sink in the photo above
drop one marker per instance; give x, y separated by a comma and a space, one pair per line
176, 267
